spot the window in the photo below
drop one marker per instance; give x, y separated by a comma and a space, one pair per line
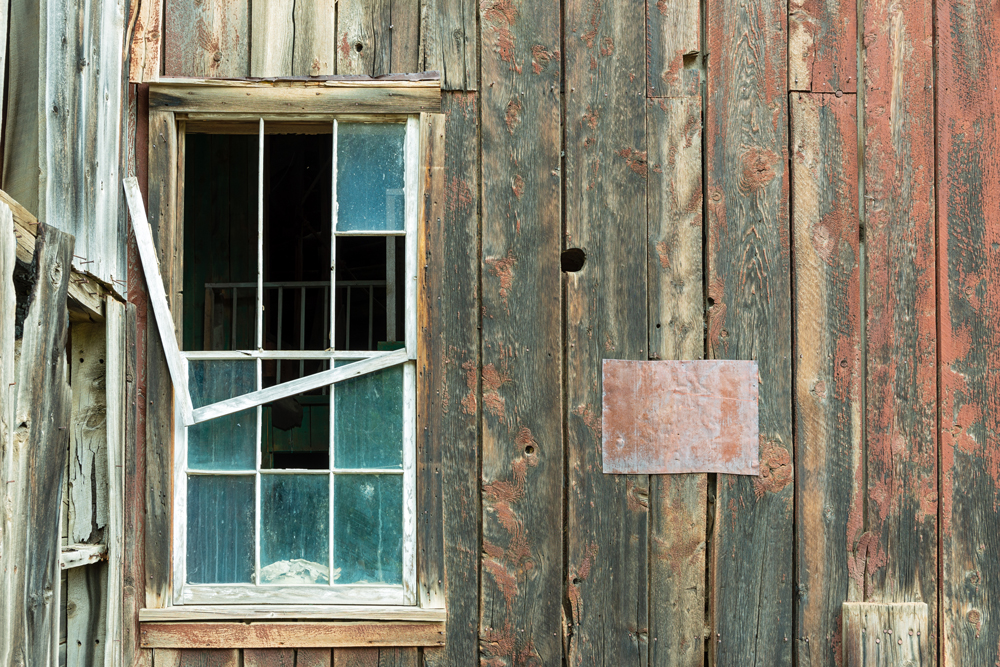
294, 476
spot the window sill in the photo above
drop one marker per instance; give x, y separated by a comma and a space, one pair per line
262, 627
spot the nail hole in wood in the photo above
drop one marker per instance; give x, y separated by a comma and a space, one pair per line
573, 259
358, 47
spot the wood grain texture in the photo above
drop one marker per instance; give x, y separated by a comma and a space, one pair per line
272, 657
162, 207
901, 394
115, 392
822, 46
448, 42
209, 38
367, 657
968, 235
448, 369
147, 40
272, 34
829, 509
8, 396
196, 658
32, 458
313, 657
314, 51
289, 635
376, 37
886, 635
673, 48
606, 174
88, 465
86, 616
749, 300
264, 98
677, 503
522, 460
277, 612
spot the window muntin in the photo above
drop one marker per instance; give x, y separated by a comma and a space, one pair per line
300, 525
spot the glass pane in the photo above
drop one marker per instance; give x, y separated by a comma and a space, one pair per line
370, 176
220, 241
295, 432
295, 529
220, 539
368, 422
230, 442
368, 529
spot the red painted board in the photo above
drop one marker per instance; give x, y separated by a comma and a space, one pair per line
662, 417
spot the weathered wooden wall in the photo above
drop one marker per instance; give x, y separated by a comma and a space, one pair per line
801, 228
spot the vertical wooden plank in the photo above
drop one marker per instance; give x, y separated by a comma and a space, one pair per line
313, 53
8, 401
450, 359
4, 15
673, 48
23, 124
677, 503
269, 657
144, 51
522, 461
207, 39
886, 635
968, 235
749, 299
313, 657
88, 466
449, 40
196, 657
32, 458
115, 360
901, 387
606, 174
86, 618
374, 657
829, 505
822, 46
272, 33
377, 37
159, 406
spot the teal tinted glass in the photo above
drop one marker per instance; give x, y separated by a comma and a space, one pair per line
220, 529
368, 420
370, 176
230, 442
295, 529
368, 533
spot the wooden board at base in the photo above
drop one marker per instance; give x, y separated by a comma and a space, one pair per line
968, 273
829, 504
886, 635
749, 301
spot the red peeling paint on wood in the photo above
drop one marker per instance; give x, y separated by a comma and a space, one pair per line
822, 46
680, 416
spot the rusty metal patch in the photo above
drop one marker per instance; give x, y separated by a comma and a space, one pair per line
680, 416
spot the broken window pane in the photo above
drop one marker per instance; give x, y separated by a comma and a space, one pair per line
220, 242
368, 424
295, 431
230, 442
368, 532
370, 176
220, 529
369, 304
295, 529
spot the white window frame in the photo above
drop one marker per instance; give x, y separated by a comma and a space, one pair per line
185, 415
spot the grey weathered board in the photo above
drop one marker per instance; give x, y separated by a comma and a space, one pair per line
607, 516
32, 457
449, 370
887, 635
522, 443
829, 510
377, 37
209, 38
678, 503
749, 300
448, 42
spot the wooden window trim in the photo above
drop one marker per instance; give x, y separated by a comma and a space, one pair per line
289, 635
166, 150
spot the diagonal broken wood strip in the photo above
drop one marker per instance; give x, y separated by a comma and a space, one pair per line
85, 293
